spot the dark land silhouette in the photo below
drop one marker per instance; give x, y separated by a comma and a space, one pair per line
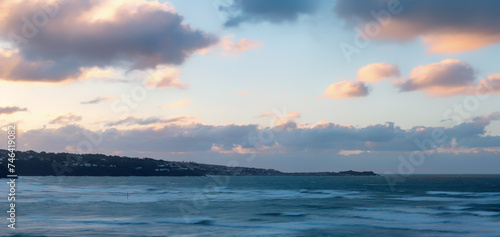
31, 163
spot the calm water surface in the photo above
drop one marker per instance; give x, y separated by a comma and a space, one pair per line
423, 205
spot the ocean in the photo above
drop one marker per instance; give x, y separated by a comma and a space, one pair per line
421, 205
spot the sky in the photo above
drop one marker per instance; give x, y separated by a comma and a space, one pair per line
396, 87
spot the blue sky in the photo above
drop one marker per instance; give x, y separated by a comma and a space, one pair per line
211, 77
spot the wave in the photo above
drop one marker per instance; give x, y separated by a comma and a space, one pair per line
473, 194
187, 220
292, 214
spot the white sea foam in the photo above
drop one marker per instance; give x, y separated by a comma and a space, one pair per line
474, 194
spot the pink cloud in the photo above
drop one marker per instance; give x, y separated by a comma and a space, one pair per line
11, 110
350, 152
227, 46
291, 115
450, 77
449, 43
346, 89
265, 114
445, 78
489, 85
494, 116
287, 116
66, 119
97, 100
154, 122
287, 121
446, 27
165, 78
76, 37
377, 71
239, 47
178, 104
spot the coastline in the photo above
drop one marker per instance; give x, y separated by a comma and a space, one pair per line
33, 163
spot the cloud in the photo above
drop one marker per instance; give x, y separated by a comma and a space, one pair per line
449, 77
346, 89
98, 73
447, 26
449, 73
11, 110
169, 138
350, 152
178, 104
227, 47
379, 147
494, 116
178, 120
287, 121
384, 137
165, 78
236, 48
66, 119
181, 134
287, 116
242, 92
265, 114
135, 121
489, 85
97, 100
273, 11
280, 120
291, 115
377, 71
95, 33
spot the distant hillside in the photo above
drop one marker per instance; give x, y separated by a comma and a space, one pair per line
31, 163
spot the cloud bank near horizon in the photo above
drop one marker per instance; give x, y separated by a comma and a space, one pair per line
321, 147
186, 134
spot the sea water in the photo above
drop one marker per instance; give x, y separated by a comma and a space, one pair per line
420, 205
